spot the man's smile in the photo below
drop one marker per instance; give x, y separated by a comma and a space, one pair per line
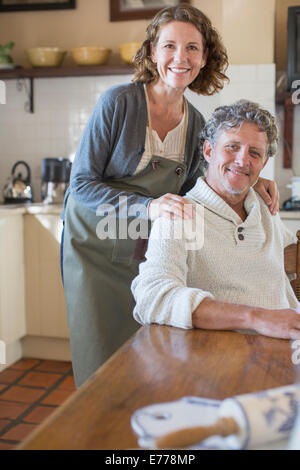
238, 171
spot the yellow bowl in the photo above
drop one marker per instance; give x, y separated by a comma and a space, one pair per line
128, 50
46, 56
91, 55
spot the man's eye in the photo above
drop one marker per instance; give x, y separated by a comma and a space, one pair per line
255, 154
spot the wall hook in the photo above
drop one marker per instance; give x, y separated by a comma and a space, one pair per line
21, 83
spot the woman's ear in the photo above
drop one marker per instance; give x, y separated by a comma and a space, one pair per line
207, 150
152, 52
205, 56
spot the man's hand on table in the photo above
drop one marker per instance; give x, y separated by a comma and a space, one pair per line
214, 315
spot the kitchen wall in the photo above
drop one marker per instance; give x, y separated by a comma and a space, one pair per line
281, 35
281, 48
283, 175
89, 24
62, 106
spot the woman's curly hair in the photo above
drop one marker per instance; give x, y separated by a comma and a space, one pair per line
211, 78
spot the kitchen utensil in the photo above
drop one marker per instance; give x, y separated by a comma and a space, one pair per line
185, 437
128, 50
18, 188
293, 203
249, 420
91, 55
295, 187
55, 179
46, 56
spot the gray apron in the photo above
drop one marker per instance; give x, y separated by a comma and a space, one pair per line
98, 273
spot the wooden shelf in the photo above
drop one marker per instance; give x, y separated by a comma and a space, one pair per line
71, 71
21, 73
285, 99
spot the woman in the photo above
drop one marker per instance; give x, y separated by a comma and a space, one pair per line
140, 147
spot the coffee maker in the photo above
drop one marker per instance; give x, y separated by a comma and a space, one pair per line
55, 179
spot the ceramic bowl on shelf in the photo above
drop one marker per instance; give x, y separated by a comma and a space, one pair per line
46, 56
128, 50
91, 55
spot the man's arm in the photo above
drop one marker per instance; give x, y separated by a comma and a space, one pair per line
214, 315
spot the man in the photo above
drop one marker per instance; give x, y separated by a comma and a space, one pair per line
236, 281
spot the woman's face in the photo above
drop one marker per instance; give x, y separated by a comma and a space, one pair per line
179, 54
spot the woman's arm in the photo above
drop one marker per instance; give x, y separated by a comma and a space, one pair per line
94, 153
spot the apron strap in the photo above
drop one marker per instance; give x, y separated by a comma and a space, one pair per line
186, 112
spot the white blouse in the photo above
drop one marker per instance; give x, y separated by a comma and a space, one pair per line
169, 148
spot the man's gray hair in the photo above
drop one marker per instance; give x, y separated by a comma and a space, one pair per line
228, 117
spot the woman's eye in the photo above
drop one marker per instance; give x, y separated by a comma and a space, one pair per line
193, 48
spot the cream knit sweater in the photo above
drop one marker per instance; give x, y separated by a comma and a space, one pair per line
247, 270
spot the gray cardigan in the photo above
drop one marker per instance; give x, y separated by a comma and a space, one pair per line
112, 145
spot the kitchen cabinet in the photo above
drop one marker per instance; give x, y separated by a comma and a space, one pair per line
291, 220
45, 304
12, 285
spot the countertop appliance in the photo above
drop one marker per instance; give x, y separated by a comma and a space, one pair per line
293, 203
55, 179
18, 188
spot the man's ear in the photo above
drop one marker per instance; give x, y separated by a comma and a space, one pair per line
207, 150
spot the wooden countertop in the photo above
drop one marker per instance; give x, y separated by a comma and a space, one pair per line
160, 364
31, 208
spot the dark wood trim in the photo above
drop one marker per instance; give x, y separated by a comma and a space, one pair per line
72, 71
116, 14
288, 132
67, 4
293, 72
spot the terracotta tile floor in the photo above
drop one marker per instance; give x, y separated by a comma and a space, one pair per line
30, 390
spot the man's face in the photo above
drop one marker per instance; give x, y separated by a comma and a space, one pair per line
236, 160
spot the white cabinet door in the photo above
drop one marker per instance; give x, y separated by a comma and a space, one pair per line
292, 224
45, 303
12, 287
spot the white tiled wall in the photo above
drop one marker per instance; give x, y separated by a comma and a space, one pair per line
63, 105
283, 175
